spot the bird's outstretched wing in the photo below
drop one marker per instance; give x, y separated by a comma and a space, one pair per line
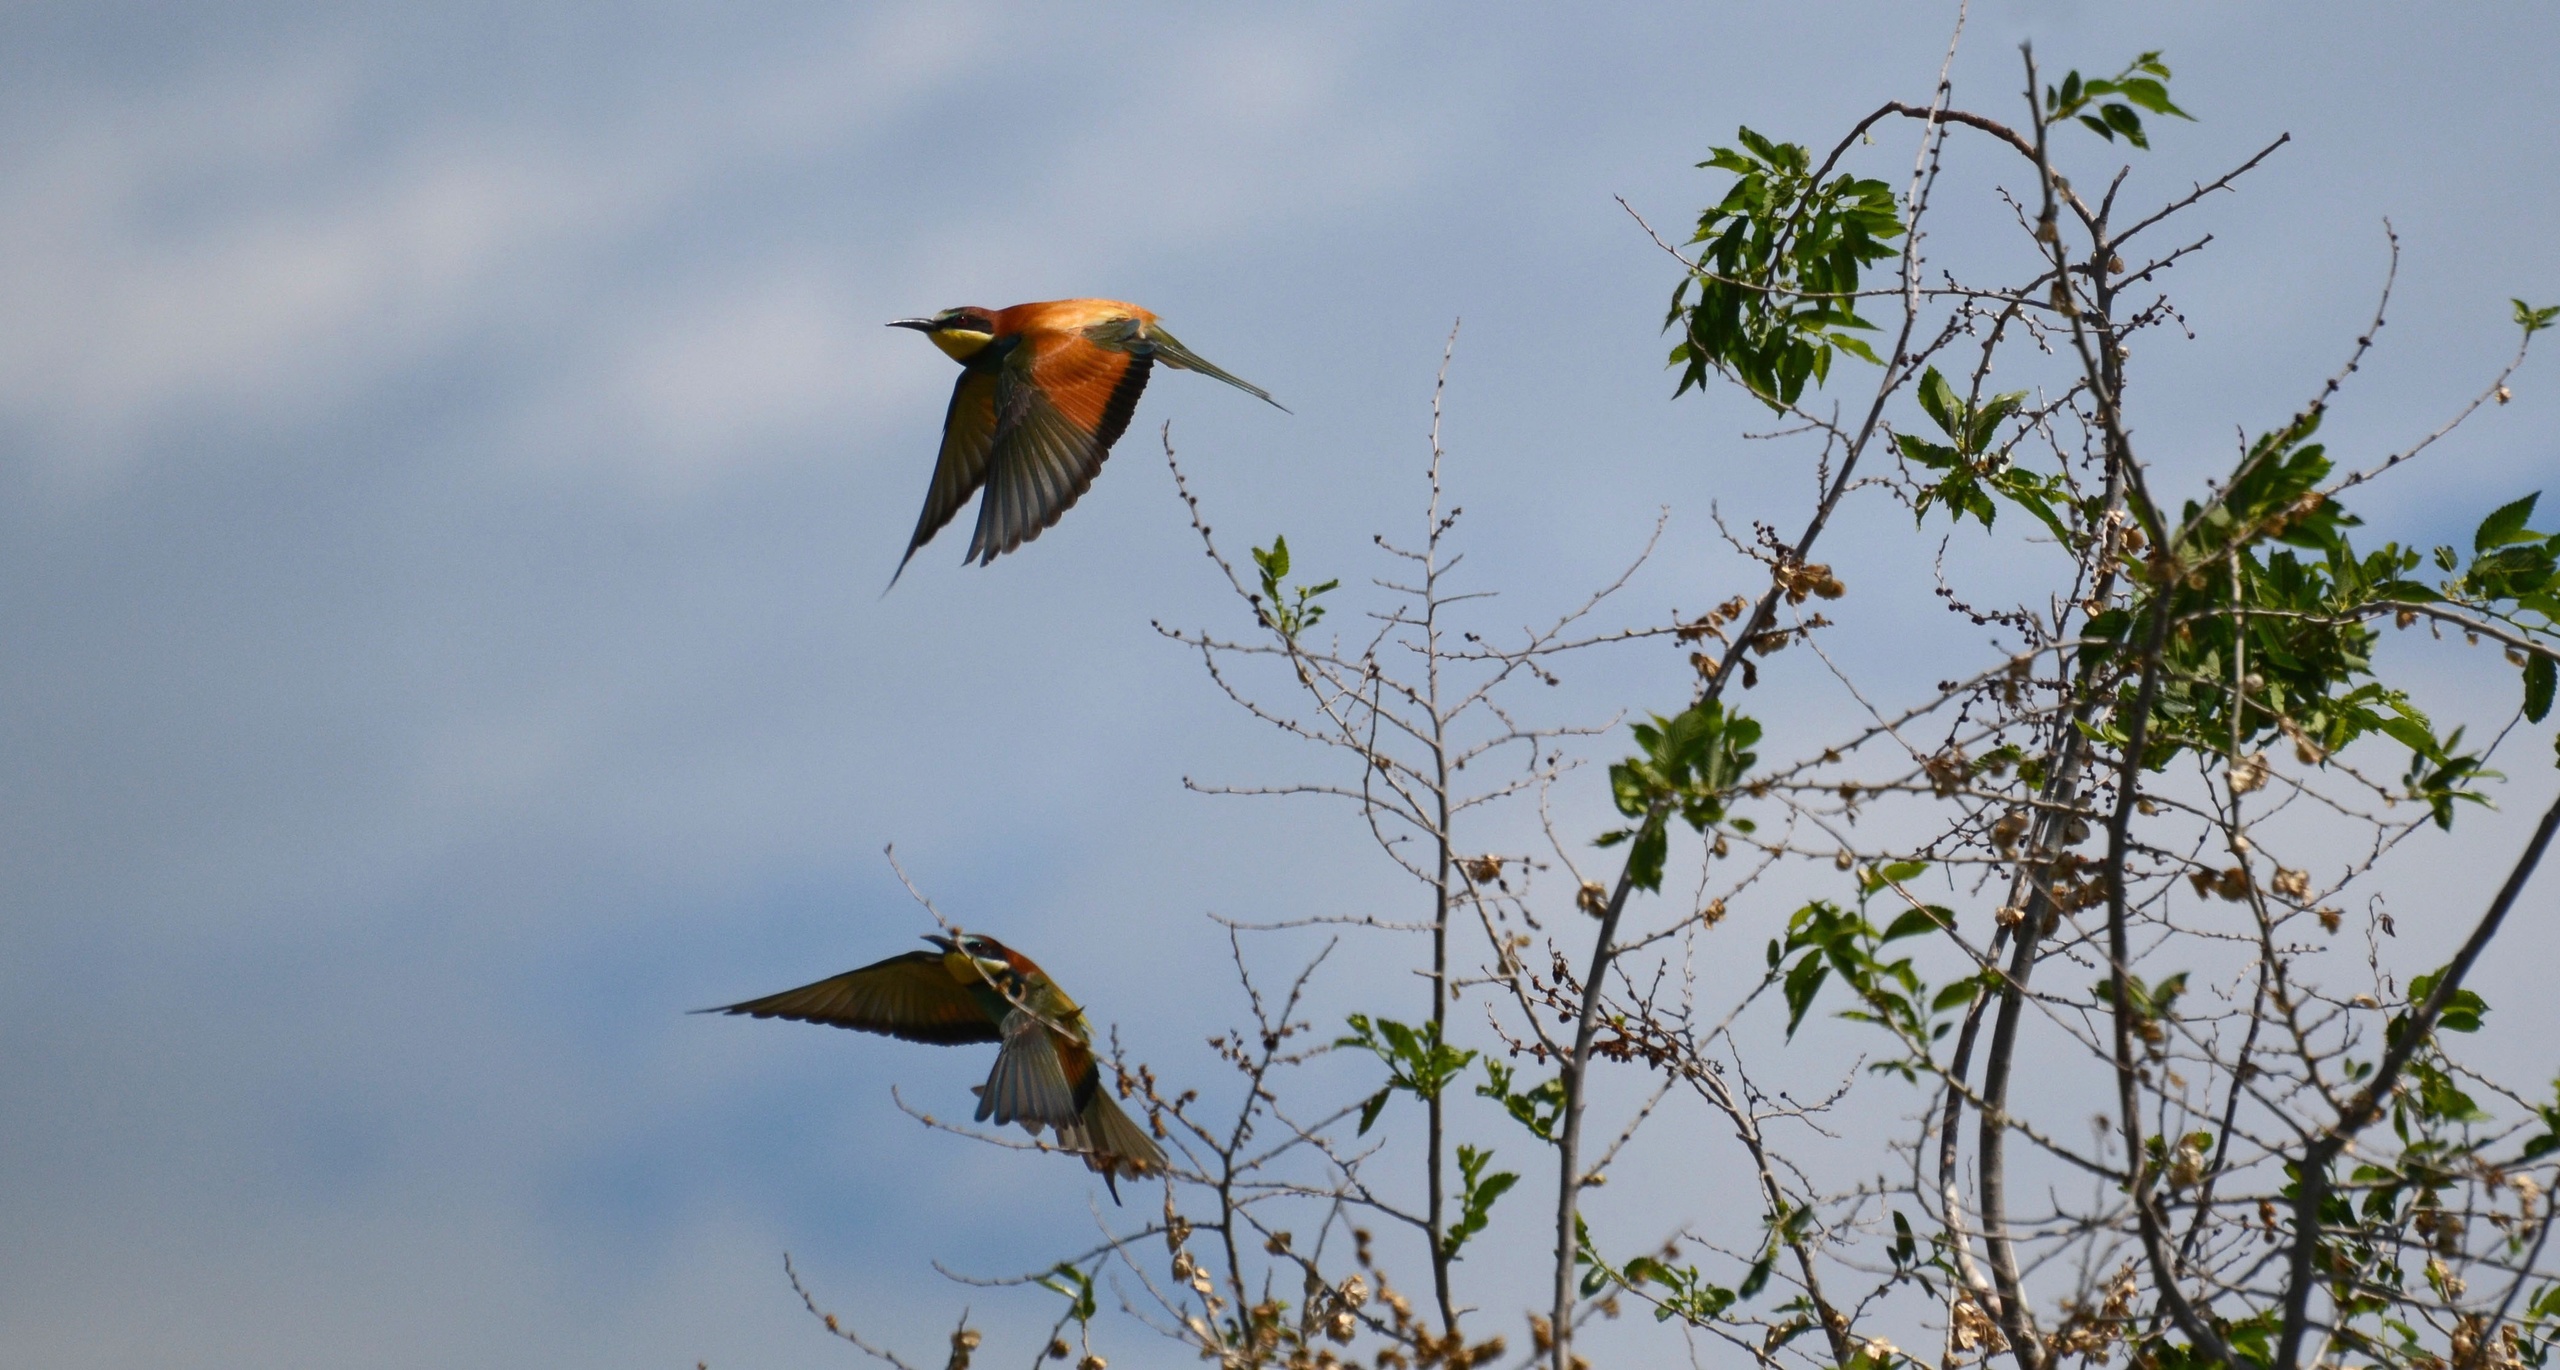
1147, 339
968, 436
1060, 402
908, 996
1028, 1086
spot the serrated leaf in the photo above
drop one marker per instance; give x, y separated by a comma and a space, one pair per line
1987, 420
2506, 524
1935, 456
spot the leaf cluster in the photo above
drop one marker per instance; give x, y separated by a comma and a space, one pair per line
1286, 609
1827, 940
2514, 576
1417, 1061
1686, 765
2271, 608
1775, 292
1476, 1193
2143, 82
1972, 469
1539, 1108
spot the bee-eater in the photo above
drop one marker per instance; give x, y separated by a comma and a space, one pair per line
1044, 391
973, 988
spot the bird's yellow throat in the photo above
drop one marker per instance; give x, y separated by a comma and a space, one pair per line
970, 970
959, 343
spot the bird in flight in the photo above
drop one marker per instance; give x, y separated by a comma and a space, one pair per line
973, 988
1044, 391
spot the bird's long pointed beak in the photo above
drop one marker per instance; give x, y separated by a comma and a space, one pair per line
919, 325
941, 941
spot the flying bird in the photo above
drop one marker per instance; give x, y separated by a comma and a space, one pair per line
1044, 391
973, 988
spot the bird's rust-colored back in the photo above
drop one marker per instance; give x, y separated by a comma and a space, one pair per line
1022, 965
1083, 380
1066, 316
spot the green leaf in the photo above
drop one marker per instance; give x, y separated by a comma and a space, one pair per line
1645, 858
1874, 878
2412, 734
2506, 524
2123, 120
2463, 1010
2535, 320
1077, 1287
1927, 453
1539, 1108
1938, 400
2151, 95
1987, 420
1957, 995
1757, 1278
2539, 677
1417, 1061
1476, 1194
1803, 982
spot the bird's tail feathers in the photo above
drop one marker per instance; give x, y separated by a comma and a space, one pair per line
1112, 1142
902, 570
1027, 1086
1171, 352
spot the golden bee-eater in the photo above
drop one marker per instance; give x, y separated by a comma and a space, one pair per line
1044, 391
974, 988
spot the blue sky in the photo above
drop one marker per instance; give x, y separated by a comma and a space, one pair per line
449, 458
